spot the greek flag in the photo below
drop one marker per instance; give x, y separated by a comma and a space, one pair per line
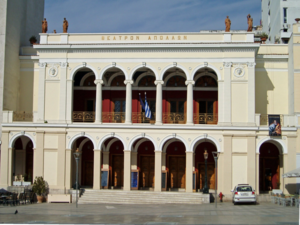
147, 108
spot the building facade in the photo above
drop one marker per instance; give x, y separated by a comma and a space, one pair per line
211, 91
277, 19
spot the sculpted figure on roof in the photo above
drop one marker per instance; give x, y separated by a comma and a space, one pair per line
250, 23
65, 26
227, 24
44, 26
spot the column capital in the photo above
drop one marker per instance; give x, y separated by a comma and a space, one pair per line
98, 81
158, 151
126, 151
251, 64
159, 82
128, 82
227, 64
42, 65
97, 150
187, 82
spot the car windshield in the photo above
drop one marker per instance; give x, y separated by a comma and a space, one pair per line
246, 188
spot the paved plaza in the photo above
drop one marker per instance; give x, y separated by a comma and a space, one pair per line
226, 213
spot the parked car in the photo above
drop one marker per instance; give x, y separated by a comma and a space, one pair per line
243, 193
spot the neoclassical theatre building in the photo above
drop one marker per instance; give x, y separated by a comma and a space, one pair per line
210, 90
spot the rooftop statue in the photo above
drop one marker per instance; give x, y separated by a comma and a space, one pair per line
227, 24
250, 23
44, 26
65, 26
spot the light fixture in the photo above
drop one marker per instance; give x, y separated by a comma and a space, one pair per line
117, 83
175, 84
146, 148
146, 84
117, 147
205, 154
205, 84
175, 149
89, 83
269, 151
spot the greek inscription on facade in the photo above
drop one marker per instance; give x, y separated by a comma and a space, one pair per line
137, 38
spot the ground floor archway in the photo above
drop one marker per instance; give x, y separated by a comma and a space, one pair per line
269, 167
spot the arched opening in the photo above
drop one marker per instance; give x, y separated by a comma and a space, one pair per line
200, 165
205, 97
23, 160
175, 164
269, 167
114, 96
113, 162
143, 90
86, 163
84, 96
144, 162
174, 96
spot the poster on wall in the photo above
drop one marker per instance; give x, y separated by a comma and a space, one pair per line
274, 125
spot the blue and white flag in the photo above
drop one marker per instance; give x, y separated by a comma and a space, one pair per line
147, 109
141, 101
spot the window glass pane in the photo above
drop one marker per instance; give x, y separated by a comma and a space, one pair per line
210, 107
246, 188
117, 106
152, 106
181, 107
173, 107
202, 107
123, 106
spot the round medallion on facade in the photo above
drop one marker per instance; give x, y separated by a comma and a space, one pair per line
53, 71
239, 72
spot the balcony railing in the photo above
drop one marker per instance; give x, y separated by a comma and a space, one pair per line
205, 118
141, 118
113, 117
174, 118
79, 116
23, 116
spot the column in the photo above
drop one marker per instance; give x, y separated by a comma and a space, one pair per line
127, 170
227, 165
157, 170
257, 173
4, 160
220, 102
189, 172
61, 161
38, 155
41, 91
68, 175
251, 160
63, 92
164, 161
189, 105
290, 163
128, 84
134, 160
10, 166
158, 113
69, 103
251, 93
283, 160
227, 94
98, 111
97, 169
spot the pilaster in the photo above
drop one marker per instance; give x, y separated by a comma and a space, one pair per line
251, 93
227, 93
189, 172
227, 164
251, 161
97, 169
4, 160
38, 155
61, 161
157, 170
69, 103
63, 91
68, 171
41, 91
127, 170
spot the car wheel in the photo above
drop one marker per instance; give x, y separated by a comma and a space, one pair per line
254, 203
234, 203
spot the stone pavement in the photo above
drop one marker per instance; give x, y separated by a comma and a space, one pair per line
226, 213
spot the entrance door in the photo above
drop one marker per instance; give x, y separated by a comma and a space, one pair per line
177, 172
147, 171
210, 175
117, 170
88, 176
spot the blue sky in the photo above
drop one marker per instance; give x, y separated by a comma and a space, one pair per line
118, 16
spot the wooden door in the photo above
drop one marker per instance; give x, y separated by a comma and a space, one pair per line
117, 170
88, 173
147, 171
211, 173
177, 172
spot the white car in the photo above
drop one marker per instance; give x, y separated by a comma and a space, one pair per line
243, 193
